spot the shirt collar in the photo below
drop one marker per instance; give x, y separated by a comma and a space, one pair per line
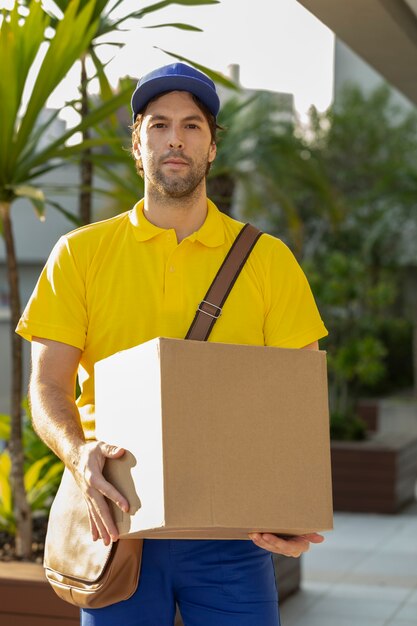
210, 233
143, 229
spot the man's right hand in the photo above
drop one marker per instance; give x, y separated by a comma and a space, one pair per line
57, 421
95, 488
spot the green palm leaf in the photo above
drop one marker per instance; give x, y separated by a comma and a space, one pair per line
57, 149
70, 216
35, 196
61, 55
33, 473
19, 45
6, 498
4, 427
41, 495
37, 135
165, 3
194, 29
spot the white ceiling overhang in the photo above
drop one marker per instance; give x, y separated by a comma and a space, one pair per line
382, 32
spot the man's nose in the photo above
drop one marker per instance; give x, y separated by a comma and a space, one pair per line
175, 139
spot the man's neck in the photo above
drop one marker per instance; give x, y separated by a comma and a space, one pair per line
184, 215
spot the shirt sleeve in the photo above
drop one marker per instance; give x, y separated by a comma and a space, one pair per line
292, 319
57, 307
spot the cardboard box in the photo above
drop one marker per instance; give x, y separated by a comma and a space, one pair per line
223, 439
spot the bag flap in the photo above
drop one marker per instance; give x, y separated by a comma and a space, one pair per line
69, 547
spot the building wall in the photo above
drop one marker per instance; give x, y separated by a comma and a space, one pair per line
28, 277
350, 68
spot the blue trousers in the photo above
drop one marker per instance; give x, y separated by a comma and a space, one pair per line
214, 583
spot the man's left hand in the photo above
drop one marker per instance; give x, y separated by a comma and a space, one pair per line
295, 546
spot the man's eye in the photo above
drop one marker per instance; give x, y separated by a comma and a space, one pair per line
159, 125
192, 126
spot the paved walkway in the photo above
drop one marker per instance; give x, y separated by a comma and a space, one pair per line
364, 574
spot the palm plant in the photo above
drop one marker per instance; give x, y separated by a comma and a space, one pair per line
269, 163
23, 159
258, 141
353, 179
42, 473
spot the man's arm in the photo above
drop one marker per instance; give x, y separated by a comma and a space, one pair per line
57, 421
297, 545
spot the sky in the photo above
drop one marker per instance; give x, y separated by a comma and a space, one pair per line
278, 44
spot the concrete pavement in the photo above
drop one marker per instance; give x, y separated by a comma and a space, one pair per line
364, 574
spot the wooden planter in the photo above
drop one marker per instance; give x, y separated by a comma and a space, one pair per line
26, 599
374, 476
288, 575
368, 411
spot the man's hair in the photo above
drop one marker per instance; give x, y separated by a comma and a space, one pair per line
211, 120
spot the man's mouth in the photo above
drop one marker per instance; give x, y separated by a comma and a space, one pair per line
175, 162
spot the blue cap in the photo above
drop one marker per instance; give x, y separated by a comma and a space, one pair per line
175, 77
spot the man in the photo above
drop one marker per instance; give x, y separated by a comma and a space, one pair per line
115, 284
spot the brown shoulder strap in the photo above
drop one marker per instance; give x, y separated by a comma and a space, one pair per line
210, 308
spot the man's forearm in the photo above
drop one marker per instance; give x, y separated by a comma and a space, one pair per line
56, 420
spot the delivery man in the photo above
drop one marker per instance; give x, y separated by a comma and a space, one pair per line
112, 285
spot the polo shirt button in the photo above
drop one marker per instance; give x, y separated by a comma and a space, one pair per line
172, 269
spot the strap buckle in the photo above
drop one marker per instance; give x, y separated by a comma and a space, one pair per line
216, 314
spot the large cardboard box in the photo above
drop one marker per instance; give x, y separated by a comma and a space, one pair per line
222, 439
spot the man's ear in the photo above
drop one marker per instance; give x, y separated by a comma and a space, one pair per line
212, 152
136, 150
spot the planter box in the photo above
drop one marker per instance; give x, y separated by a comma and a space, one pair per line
368, 411
374, 476
26, 599
288, 575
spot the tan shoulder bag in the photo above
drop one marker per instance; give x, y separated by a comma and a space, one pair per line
85, 572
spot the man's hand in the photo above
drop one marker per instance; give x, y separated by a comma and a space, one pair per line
57, 421
287, 547
95, 488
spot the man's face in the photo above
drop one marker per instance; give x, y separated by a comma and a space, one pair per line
175, 145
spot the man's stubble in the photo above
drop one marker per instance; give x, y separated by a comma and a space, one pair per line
176, 185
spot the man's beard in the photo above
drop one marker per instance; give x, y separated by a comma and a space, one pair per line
176, 185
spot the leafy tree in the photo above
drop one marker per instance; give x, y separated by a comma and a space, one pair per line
263, 159
368, 149
354, 305
23, 159
353, 180
247, 154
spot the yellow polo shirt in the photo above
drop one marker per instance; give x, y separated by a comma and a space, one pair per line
114, 284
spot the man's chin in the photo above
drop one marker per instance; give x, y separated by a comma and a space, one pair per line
179, 193
178, 188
